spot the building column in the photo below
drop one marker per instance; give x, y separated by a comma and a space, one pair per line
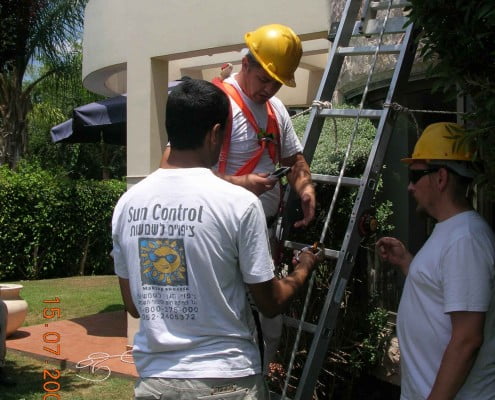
147, 86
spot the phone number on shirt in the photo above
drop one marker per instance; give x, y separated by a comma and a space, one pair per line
164, 312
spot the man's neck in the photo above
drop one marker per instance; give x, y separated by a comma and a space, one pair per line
240, 79
450, 210
184, 159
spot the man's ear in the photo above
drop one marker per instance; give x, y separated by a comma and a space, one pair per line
216, 134
245, 63
443, 178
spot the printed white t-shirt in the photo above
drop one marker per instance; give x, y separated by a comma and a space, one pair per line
188, 242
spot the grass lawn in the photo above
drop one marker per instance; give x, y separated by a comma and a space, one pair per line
28, 373
78, 296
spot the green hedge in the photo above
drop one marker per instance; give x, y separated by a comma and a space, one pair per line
51, 226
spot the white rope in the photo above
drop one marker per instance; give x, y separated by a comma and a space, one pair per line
398, 107
316, 103
95, 359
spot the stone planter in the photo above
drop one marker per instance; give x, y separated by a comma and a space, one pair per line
17, 307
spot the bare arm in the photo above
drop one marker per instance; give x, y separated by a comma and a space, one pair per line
459, 356
393, 251
256, 183
300, 180
272, 297
125, 290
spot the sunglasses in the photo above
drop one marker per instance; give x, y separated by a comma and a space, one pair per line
416, 174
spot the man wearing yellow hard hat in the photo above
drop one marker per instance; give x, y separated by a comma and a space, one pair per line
446, 316
261, 136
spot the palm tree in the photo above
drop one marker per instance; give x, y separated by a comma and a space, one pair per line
31, 29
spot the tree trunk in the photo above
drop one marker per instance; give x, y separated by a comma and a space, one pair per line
82, 263
14, 107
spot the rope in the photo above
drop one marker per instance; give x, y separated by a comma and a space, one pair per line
94, 359
334, 199
397, 107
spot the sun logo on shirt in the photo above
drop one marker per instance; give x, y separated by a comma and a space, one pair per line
163, 262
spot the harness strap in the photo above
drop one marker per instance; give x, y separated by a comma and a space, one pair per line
269, 138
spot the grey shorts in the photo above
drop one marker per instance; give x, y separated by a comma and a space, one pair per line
251, 387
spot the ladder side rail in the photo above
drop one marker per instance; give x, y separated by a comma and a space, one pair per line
328, 316
325, 91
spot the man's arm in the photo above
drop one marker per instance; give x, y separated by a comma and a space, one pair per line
255, 183
273, 296
459, 356
125, 290
300, 180
393, 251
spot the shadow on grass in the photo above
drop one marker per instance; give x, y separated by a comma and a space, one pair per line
30, 378
112, 324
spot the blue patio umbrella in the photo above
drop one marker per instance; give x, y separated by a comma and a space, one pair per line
104, 120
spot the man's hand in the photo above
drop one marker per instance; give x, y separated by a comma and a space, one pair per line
393, 251
300, 180
308, 204
256, 183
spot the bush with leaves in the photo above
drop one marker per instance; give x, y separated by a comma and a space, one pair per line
458, 42
51, 226
358, 340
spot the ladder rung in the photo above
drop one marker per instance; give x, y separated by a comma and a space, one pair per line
369, 50
329, 253
374, 26
294, 323
383, 5
350, 113
346, 181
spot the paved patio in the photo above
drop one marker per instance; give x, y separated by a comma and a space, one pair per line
94, 343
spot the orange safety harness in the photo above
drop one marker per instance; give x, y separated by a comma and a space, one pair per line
269, 138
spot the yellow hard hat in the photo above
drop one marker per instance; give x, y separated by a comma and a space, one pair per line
441, 141
278, 50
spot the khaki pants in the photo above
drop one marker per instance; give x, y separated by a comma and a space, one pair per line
251, 387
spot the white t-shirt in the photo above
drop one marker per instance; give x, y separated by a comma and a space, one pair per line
453, 271
244, 142
188, 242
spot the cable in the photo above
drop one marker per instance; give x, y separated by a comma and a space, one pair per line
94, 359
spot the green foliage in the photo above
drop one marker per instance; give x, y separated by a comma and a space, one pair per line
51, 226
31, 30
458, 39
54, 98
367, 355
328, 159
358, 339
333, 141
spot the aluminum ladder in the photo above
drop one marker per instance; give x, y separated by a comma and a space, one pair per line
370, 23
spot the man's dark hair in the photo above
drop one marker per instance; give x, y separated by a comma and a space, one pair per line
252, 61
193, 108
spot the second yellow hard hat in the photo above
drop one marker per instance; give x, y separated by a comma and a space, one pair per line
441, 141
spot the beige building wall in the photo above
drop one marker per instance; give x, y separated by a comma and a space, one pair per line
137, 47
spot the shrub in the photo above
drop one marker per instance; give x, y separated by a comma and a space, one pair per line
51, 226
358, 337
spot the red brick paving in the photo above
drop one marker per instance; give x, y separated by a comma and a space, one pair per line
78, 339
